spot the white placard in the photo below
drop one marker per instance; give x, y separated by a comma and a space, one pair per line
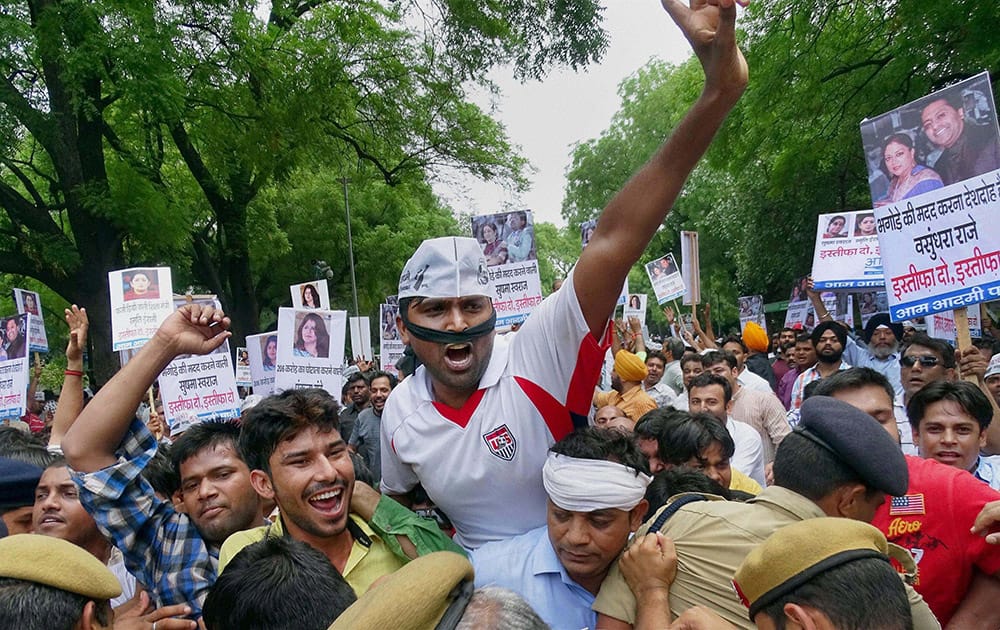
361, 338
847, 254
140, 301
314, 295
752, 310
636, 307
508, 242
243, 377
691, 267
13, 387
29, 302
197, 389
665, 278
310, 349
263, 350
939, 162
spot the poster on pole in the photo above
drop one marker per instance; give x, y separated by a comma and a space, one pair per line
198, 388
140, 301
847, 255
361, 338
692, 268
934, 168
29, 302
636, 307
508, 242
752, 310
391, 346
263, 351
313, 295
310, 349
942, 325
800, 312
14, 367
243, 377
666, 279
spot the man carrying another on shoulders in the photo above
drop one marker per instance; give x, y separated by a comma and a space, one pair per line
490, 407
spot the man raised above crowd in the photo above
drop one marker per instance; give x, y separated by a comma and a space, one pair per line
481, 412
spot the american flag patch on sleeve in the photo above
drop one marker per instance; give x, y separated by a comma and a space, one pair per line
907, 504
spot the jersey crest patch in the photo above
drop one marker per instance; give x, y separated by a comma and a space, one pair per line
501, 442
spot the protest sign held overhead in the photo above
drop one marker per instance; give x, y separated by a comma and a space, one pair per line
310, 349
29, 302
391, 346
636, 307
243, 377
847, 254
140, 301
692, 267
263, 351
752, 310
313, 294
935, 176
508, 242
197, 389
666, 278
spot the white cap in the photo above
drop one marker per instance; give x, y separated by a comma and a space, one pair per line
445, 268
994, 366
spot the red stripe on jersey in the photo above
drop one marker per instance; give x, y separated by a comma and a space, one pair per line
461, 416
589, 360
556, 416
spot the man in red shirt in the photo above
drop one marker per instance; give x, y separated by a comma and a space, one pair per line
958, 570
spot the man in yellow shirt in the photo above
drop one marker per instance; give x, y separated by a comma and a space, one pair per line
298, 459
627, 393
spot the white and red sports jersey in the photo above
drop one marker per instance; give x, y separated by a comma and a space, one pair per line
482, 464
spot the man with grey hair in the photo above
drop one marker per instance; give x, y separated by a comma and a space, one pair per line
490, 407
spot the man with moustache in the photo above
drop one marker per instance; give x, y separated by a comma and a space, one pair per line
829, 339
967, 149
482, 411
365, 438
298, 459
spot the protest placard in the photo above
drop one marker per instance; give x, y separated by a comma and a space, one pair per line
243, 377
361, 338
391, 347
314, 294
263, 351
508, 242
939, 190
636, 307
29, 302
13, 387
942, 325
847, 254
752, 310
666, 278
692, 268
310, 349
800, 313
140, 301
197, 389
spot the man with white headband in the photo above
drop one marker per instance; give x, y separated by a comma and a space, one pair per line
596, 483
473, 424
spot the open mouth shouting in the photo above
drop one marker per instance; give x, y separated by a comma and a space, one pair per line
458, 356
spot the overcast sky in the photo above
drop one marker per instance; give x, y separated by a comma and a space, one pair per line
547, 118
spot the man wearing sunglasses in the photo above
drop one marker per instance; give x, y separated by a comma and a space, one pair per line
927, 360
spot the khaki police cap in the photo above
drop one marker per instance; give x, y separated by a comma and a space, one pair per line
796, 553
57, 563
415, 597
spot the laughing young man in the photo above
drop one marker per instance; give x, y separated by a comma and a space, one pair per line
291, 441
474, 424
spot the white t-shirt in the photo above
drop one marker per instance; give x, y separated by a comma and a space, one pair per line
753, 381
749, 455
482, 464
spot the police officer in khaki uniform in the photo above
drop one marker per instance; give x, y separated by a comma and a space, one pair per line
838, 462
